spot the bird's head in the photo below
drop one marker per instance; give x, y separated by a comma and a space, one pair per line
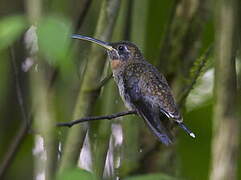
124, 51
119, 52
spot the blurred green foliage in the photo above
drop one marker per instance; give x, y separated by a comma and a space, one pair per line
157, 176
76, 174
11, 28
54, 38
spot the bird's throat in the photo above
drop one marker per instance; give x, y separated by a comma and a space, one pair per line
115, 64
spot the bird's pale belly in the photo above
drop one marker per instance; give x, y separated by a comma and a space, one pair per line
124, 96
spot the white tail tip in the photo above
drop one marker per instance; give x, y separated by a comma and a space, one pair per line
192, 135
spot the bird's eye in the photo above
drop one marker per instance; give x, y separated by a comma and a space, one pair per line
121, 48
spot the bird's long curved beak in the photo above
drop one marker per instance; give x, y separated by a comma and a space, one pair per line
96, 41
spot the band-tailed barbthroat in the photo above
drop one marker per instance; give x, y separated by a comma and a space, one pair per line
142, 88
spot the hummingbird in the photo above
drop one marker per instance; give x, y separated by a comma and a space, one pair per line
142, 88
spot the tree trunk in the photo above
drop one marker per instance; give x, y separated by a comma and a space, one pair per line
226, 124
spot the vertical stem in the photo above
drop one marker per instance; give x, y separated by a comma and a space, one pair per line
44, 122
100, 132
89, 87
43, 109
226, 124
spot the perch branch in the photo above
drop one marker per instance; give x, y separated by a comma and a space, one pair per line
112, 116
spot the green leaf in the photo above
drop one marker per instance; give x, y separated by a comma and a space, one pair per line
11, 28
76, 174
157, 176
54, 38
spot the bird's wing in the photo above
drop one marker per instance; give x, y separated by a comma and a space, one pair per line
163, 93
145, 106
155, 87
150, 93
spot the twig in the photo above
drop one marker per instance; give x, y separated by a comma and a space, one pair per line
105, 80
13, 149
102, 83
112, 116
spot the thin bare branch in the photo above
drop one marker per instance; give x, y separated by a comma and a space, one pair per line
13, 149
105, 80
111, 116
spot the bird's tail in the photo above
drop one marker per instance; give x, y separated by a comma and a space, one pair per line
154, 122
159, 130
185, 128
